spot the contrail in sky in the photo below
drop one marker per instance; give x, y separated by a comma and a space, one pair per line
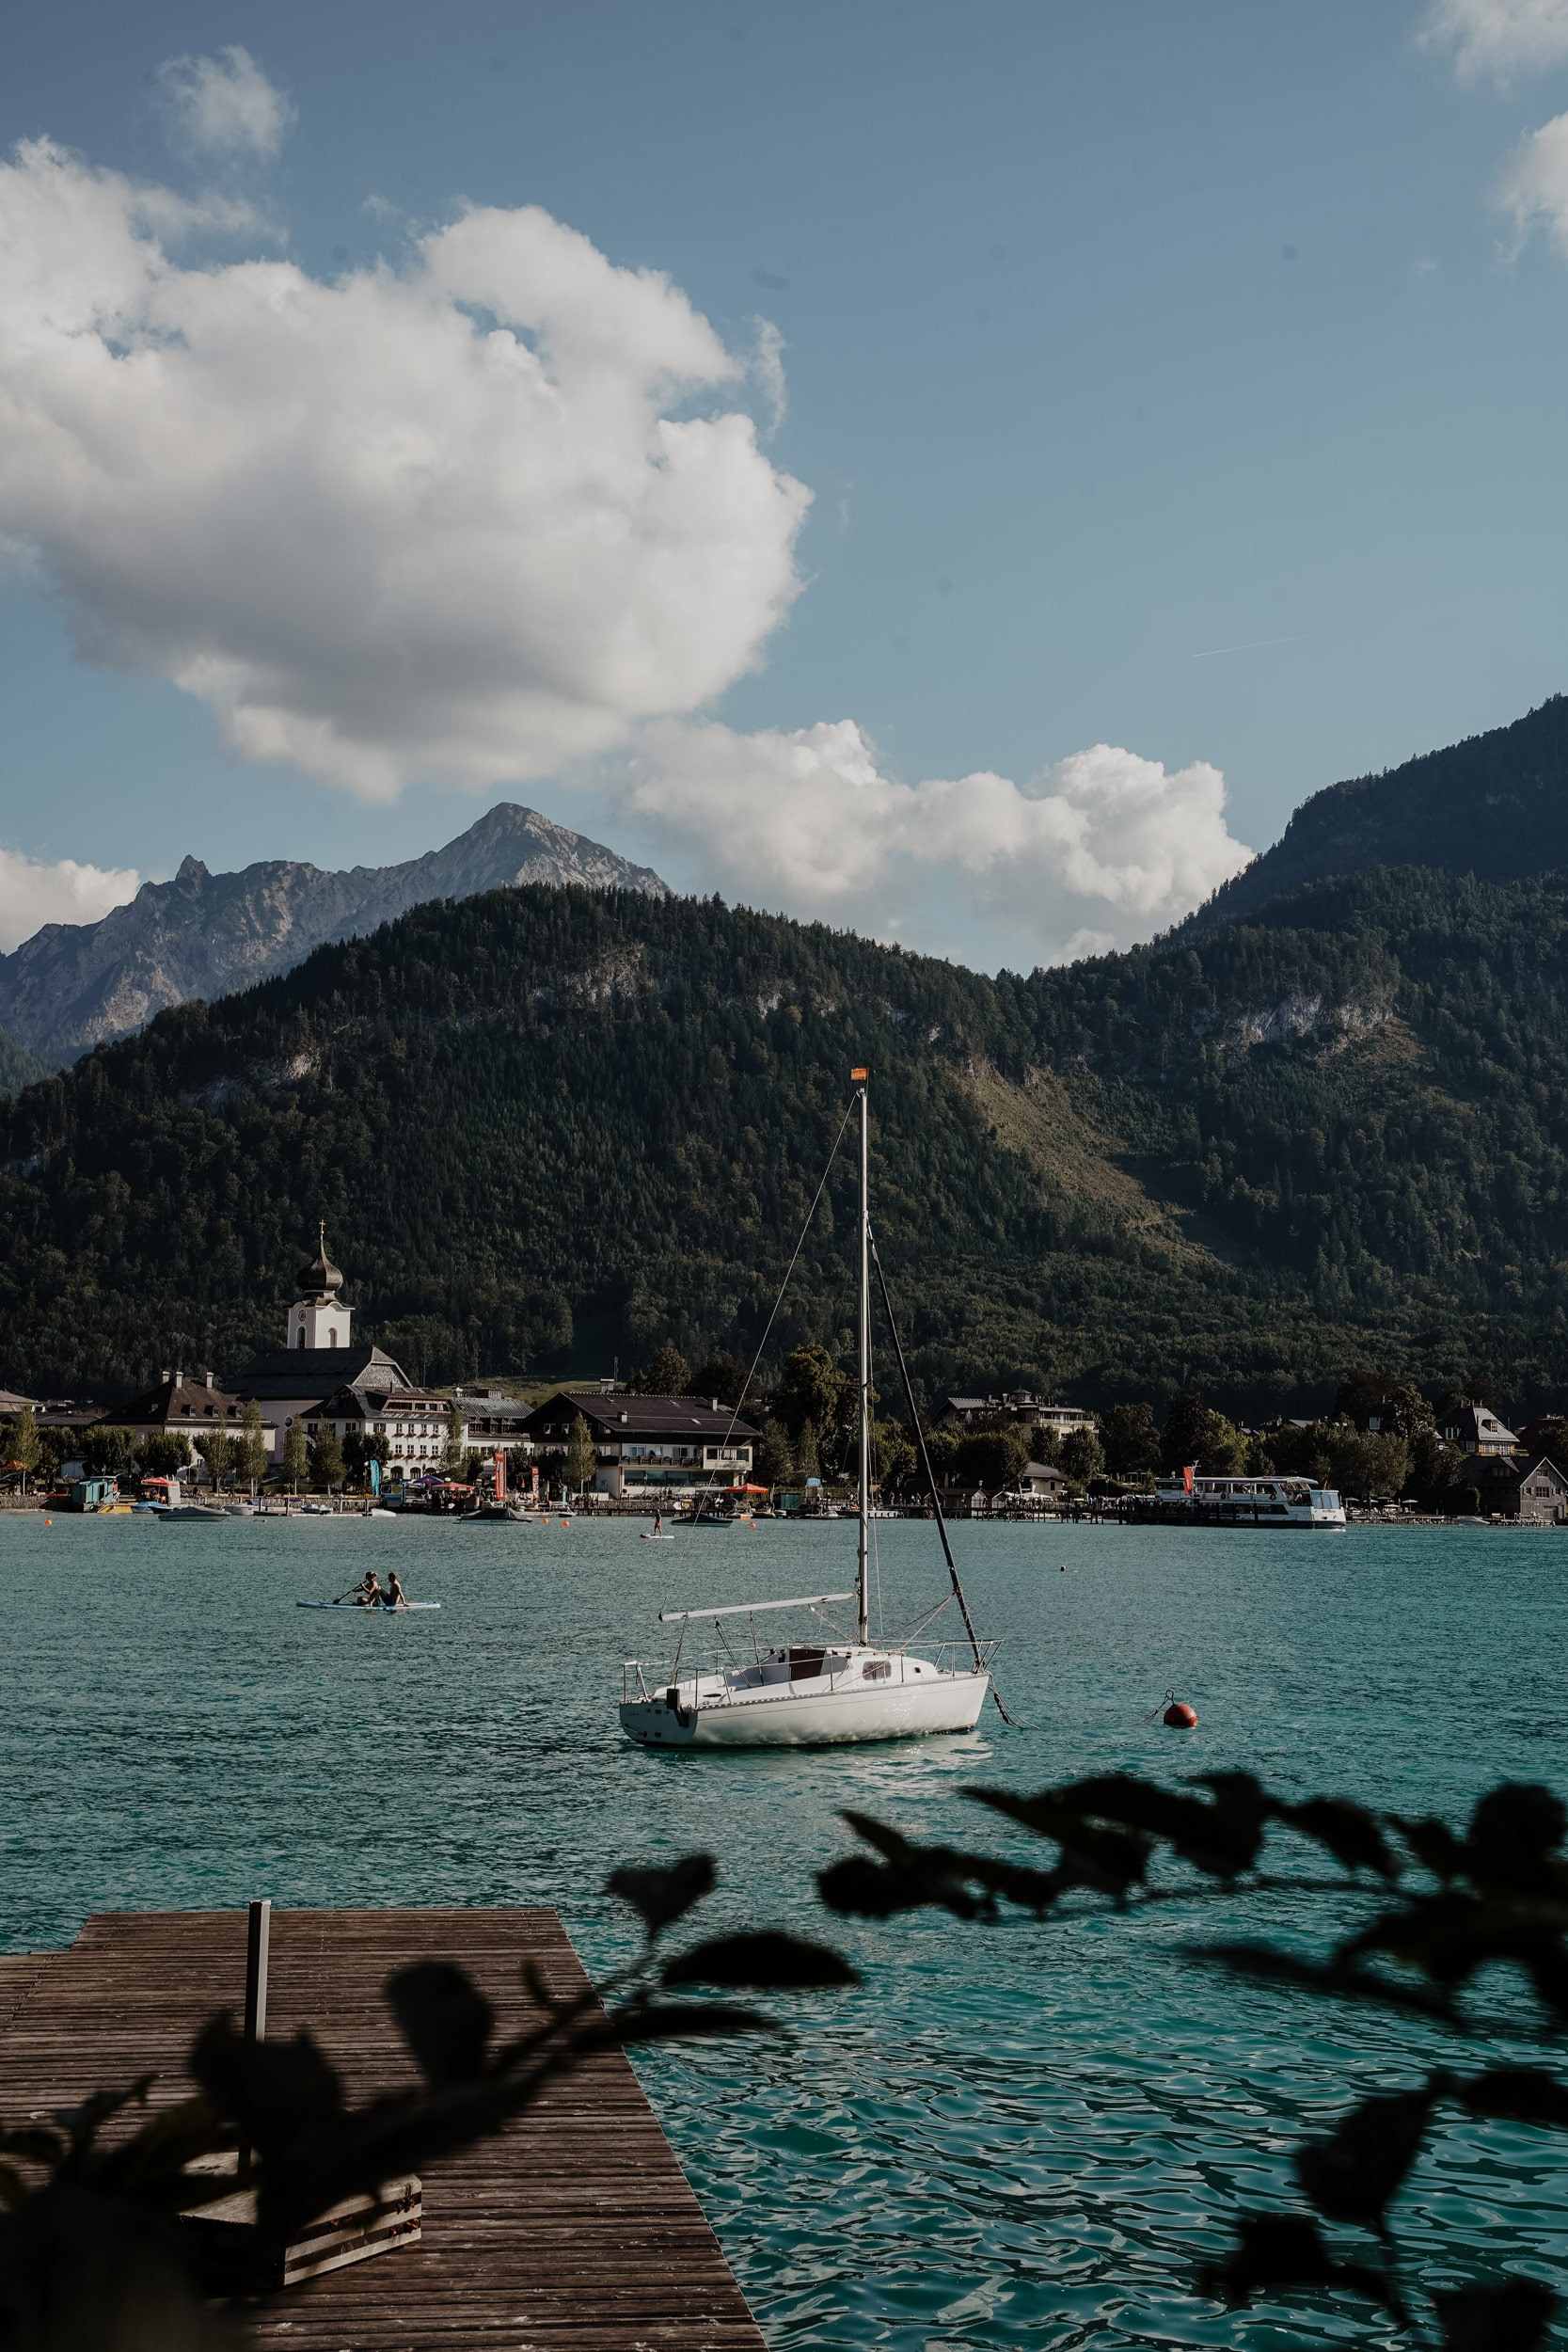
1215, 650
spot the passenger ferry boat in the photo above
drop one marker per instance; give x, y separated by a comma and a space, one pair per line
1247, 1502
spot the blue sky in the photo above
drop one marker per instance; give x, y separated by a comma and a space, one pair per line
1116, 336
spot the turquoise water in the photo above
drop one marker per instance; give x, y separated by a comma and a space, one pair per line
1028, 2133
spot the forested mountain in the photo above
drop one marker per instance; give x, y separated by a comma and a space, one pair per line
73, 985
1495, 805
547, 1127
17, 1068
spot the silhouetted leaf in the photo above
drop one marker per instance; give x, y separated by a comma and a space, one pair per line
662, 1897
783, 1962
1215, 1838
282, 2094
81, 2123
446, 2019
1449, 1936
861, 1889
1517, 2094
1435, 1846
1109, 1859
1520, 1813
1266, 1966
1515, 1832
1349, 1831
1286, 2250
1510, 2318
946, 1876
1352, 2175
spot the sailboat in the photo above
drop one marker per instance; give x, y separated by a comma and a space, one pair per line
831, 1688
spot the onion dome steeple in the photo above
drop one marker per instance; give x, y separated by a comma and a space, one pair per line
321, 1279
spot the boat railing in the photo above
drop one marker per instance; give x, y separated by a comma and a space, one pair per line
721, 1678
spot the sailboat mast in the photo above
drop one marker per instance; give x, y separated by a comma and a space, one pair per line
863, 1546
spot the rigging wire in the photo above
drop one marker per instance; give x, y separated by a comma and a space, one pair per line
778, 1302
930, 1480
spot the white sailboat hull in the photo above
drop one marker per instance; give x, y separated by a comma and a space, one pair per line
787, 1715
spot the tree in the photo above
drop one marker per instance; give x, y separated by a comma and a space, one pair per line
1131, 1441
217, 1449
580, 1456
452, 1449
813, 1389
326, 1461
23, 1444
992, 1459
250, 1446
354, 1454
805, 1452
105, 1451
162, 1454
1185, 1433
775, 1461
895, 1463
1081, 1456
725, 1378
666, 1374
295, 1456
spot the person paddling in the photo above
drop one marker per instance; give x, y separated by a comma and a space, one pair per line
368, 1593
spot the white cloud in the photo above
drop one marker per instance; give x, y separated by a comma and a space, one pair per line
1098, 851
223, 106
1498, 38
455, 521
33, 893
1532, 185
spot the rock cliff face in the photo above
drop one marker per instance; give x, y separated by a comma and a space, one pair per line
72, 985
1494, 806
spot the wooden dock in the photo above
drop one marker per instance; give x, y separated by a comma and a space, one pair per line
573, 2229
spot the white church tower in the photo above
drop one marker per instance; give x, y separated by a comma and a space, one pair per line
318, 1317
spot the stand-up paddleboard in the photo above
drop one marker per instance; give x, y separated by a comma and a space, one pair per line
370, 1609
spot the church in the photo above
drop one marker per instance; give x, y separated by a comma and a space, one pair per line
293, 1382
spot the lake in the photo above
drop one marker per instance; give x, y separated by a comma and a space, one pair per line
1029, 2132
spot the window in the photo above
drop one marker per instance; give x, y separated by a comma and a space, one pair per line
332, 1339
878, 1669
300, 1341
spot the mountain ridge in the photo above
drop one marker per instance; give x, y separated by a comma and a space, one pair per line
549, 1126
1466, 808
73, 986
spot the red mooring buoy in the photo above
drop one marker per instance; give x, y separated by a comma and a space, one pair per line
1180, 1716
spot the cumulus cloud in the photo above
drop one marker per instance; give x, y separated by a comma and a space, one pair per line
1097, 851
224, 107
465, 520
1498, 38
33, 893
1532, 185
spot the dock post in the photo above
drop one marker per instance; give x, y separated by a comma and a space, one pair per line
257, 1941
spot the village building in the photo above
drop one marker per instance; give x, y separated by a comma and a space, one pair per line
1520, 1487
1043, 1478
1474, 1430
648, 1444
1019, 1405
181, 1405
320, 1358
412, 1420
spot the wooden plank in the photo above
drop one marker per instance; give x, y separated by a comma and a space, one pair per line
575, 2228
